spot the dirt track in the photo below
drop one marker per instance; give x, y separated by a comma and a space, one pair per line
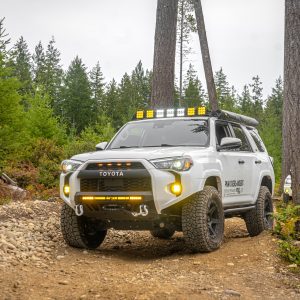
36, 264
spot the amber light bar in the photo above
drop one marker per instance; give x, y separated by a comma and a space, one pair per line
128, 198
171, 112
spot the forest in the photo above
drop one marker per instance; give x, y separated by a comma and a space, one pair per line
49, 113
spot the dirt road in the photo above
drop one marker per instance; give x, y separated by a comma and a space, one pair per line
36, 264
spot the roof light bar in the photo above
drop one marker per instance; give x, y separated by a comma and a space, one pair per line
171, 112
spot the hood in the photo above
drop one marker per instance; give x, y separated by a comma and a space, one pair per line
138, 153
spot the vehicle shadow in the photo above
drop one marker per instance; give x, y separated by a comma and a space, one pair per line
141, 246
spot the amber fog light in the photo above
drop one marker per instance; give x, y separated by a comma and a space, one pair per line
176, 188
66, 190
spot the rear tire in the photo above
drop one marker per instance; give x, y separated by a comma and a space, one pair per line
203, 221
80, 232
162, 233
259, 219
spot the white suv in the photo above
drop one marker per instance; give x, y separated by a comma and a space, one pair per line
170, 170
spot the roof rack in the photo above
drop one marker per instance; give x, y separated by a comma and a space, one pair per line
230, 116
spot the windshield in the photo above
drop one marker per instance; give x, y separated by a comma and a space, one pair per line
163, 133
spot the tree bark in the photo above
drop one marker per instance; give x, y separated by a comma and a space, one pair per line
164, 54
181, 54
211, 88
291, 109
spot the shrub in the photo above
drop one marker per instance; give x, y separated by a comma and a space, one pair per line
287, 219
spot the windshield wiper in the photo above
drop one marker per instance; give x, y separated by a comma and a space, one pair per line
125, 147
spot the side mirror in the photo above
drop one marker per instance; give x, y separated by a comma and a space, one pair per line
230, 143
101, 146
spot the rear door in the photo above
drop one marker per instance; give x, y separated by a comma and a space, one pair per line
237, 165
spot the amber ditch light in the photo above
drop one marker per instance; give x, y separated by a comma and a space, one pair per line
176, 188
66, 190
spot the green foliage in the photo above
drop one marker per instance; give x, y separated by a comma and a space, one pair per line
21, 66
90, 137
287, 218
289, 252
41, 122
78, 108
194, 94
11, 114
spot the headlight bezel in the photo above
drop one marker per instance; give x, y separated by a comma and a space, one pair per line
69, 166
179, 164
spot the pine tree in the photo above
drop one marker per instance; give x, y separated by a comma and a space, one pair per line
111, 105
225, 96
11, 113
257, 95
245, 102
78, 109
141, 82
21, 64
53, 74
271, 125
194, 94
97, 86
39, 63
4, 39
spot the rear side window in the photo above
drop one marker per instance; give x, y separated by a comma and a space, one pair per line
222, 130
239, 133
257, 140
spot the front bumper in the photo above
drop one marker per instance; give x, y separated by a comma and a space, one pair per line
288, 190
161, 180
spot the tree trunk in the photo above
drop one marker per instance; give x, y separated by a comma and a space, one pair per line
164, 54
181, 54
291, 111
211, 88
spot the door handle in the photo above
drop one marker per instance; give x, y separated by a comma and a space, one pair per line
258, 162
241, 162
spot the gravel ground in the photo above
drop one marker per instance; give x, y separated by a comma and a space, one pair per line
35, 263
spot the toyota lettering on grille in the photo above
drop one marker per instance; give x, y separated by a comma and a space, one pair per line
111, 174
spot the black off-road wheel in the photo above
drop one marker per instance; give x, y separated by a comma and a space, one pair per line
261, 218
80, 232
203, 221
163, 233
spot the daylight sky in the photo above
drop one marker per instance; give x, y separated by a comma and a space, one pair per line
245, 36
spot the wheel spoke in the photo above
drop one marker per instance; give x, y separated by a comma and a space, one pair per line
212, 231
212, 210
215, 221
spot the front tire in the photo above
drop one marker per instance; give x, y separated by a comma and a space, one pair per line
80, 232
286, 198
259, 219
203, 221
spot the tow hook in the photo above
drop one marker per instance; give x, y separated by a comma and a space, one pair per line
143, 211
78, 210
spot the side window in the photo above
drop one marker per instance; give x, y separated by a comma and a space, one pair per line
239, 133
258, 142
222, 130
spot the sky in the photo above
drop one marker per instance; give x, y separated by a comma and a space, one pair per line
245, 36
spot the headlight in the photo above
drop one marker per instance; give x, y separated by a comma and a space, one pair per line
68, 166
176, 164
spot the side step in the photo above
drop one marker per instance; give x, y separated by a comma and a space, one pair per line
237, 211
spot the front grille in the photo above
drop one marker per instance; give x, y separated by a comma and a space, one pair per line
115, 166
115, 185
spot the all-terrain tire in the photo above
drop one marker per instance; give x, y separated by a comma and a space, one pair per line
162, 233
203, 221
80, 232
259, 219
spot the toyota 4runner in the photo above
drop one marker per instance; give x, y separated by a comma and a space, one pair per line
170, 170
